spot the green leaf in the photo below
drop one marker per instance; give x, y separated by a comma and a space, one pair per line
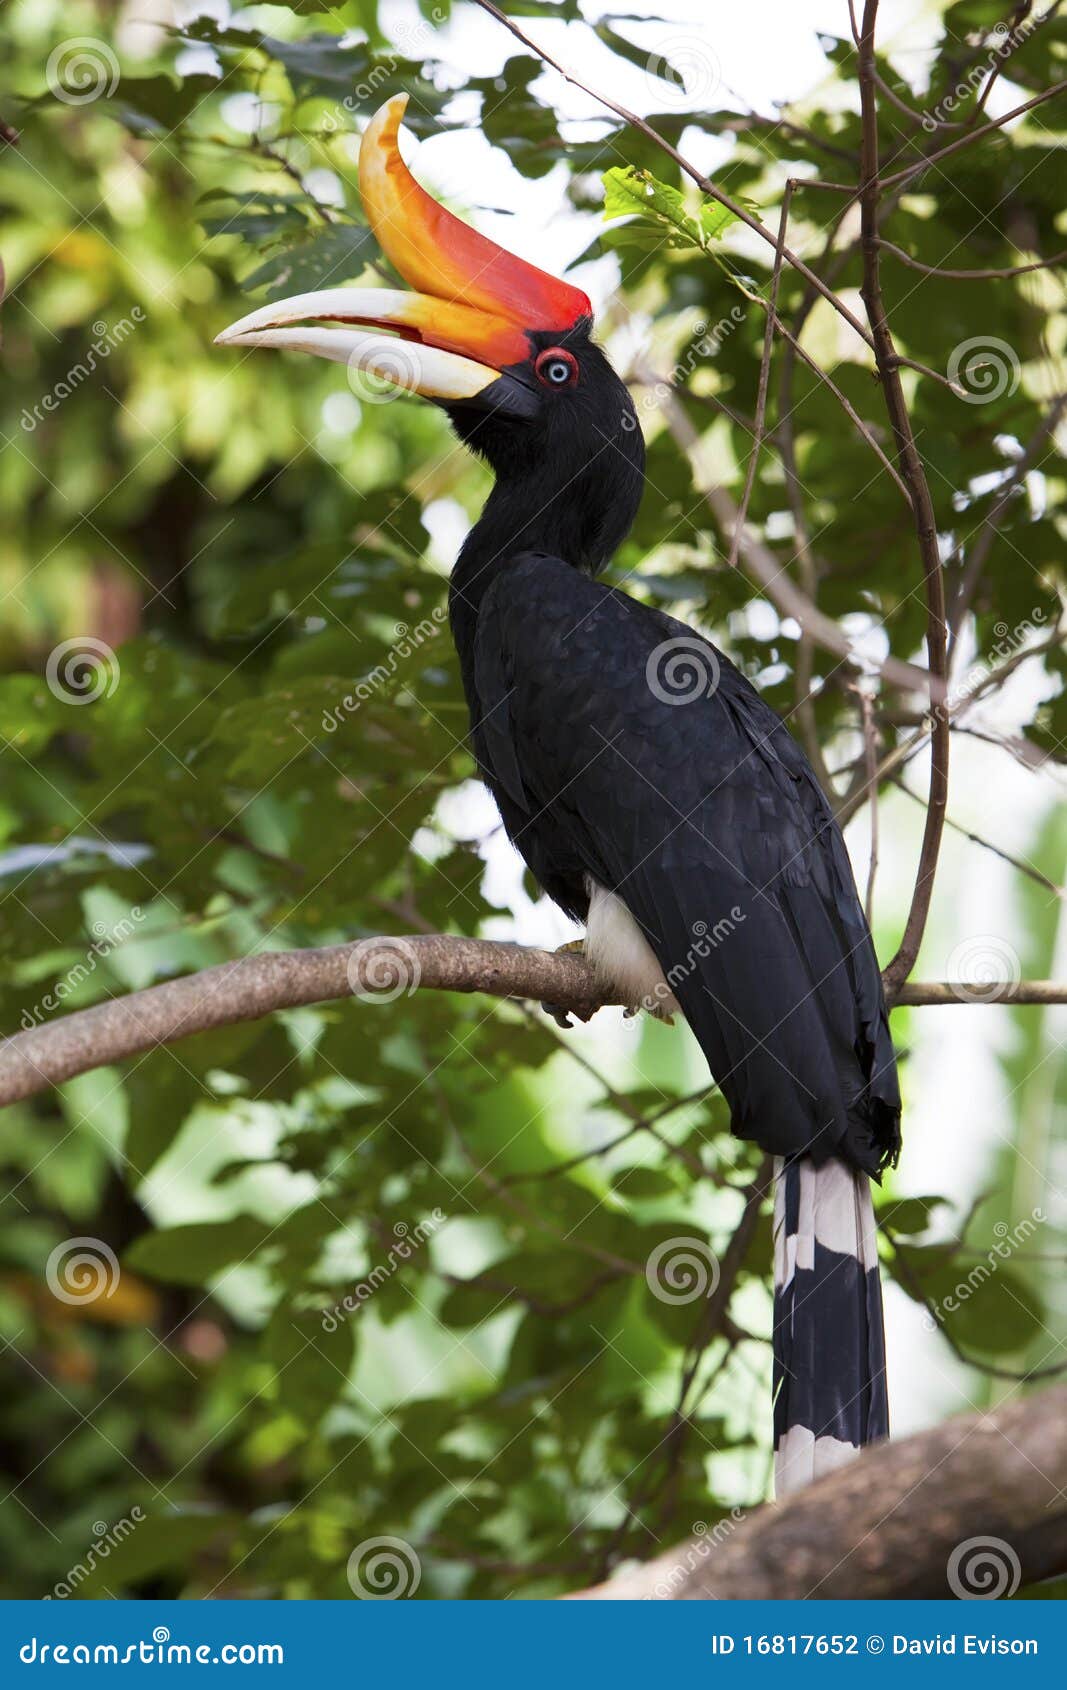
312, 1359
633, 192
327, 260
194, 1254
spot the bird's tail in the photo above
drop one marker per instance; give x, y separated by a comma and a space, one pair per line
829, 1339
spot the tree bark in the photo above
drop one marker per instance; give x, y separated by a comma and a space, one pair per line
890, 1523
378, 969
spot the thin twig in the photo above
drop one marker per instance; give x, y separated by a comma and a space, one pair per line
1023, 867
922, 504
913, 170
870, 755
971, 275
764, 378
703, 182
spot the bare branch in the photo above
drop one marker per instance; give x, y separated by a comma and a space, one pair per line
764, 378
972, 275
771, 574
915, 475
376, 968
913, 170
705, 185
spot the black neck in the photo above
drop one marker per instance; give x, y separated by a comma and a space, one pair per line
583, 522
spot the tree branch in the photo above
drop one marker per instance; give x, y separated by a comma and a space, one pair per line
914, 474
914, 170
705, 185
379, 969
972, 275
770, 572
887, 1525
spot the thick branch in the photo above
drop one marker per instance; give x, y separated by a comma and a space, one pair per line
887, 1525
379, 969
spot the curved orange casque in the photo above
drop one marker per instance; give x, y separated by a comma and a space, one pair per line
437, 253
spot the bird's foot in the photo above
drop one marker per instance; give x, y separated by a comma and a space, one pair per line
561, 1016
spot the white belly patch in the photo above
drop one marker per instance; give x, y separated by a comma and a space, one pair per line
621, 956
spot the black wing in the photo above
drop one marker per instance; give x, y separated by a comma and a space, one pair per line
630, 747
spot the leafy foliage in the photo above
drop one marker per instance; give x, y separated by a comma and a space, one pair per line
253, 543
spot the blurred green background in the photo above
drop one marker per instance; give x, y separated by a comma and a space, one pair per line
203, 551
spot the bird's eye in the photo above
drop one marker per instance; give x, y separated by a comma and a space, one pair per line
556, 368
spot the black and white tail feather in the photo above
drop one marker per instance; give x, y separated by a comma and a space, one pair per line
829, 1338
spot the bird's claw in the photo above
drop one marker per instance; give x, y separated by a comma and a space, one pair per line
561, 1016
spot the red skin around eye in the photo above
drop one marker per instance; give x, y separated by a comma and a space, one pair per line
555, 354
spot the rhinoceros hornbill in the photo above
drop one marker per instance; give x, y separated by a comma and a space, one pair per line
651, 791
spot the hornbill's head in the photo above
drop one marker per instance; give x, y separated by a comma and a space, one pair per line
503, 348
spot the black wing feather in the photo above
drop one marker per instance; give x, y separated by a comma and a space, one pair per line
706, 819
